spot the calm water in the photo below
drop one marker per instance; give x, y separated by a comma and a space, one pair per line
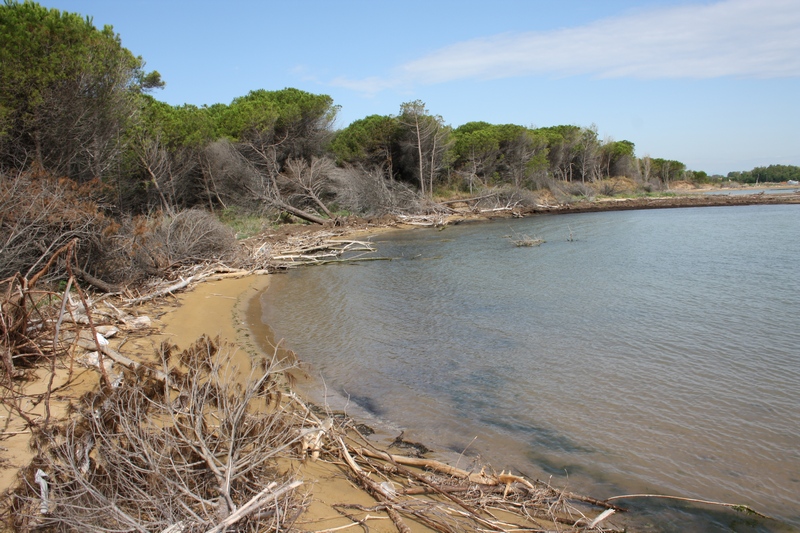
739, 192
657, 351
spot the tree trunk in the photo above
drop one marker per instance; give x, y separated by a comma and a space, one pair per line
297, 212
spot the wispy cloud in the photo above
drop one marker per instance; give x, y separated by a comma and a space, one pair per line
738, 38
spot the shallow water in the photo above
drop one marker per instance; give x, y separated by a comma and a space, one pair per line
634, 351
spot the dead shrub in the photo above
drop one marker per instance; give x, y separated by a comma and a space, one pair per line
39, 214
605, 188
196, 451
615, 186
231, 179
506, 196
567, 192
190, 236
367, 192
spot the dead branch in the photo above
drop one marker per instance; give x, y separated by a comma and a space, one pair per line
378, 491
746, 509
299, 213
166, 290
480, 478
468, 200
142, 457
97, 282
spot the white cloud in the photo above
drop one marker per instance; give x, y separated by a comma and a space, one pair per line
738, 38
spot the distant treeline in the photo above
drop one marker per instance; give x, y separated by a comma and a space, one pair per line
772, 173
75, 103
87, 152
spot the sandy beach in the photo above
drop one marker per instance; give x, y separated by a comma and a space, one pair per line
230, 309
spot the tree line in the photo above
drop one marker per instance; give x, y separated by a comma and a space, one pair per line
75, 103
87, 150
772, 173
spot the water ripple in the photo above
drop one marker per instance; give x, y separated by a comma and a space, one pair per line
658, 351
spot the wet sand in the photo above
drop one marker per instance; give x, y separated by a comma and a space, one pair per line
231, 309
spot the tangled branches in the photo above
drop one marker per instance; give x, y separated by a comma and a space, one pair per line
195, 451
450, 500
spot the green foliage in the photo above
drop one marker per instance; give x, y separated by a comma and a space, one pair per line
697, 176
425, 142
772, 173
667, 170
74, 102
564, 134
243, 224
66, 89
177, 126
289, 111
368, 141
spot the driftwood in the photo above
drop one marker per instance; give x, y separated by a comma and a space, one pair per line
299, 213
431, 464
183, 283
256, 502
468, 200
526, 241
746, 509
457, 500
96, 282
423, 220
322, 251
207, 274
523, 240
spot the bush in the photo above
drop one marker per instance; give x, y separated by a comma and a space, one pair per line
606, 188
368, 192
39, 214
139, 457
570, 191
191, 236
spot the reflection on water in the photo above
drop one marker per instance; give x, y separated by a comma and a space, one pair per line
658, 351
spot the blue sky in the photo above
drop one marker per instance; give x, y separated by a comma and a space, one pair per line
715, 85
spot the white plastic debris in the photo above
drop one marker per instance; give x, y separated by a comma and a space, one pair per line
41, 479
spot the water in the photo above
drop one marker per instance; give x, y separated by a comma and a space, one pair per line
654, 352
749, 190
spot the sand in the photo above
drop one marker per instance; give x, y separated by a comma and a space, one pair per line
230, 309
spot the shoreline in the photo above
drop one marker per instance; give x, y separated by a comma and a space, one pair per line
231, 309
649, 203
237, 318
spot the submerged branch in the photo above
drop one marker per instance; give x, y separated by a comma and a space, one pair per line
746, 509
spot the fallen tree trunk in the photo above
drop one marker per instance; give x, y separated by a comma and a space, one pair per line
431, 464
299, 213
166, 290
96, 282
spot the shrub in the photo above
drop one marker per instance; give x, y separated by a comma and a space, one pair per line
368, 192
39, 214
191, 236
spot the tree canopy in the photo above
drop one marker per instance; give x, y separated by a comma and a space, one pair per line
67, 90
772, 173
74, 102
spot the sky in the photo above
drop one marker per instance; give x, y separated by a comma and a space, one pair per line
713, 84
